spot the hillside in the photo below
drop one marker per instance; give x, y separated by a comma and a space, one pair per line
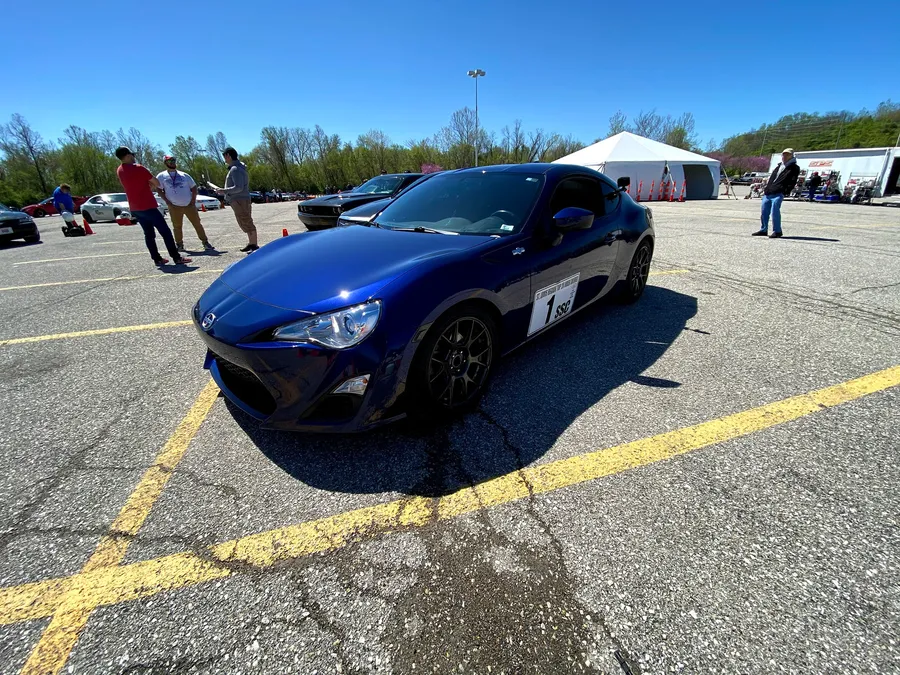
834, 130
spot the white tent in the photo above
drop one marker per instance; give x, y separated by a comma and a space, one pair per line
641, 159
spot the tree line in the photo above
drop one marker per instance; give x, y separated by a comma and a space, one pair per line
286, 158
310, 159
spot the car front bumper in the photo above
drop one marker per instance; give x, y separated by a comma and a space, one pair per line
12, 230
317, 222
290, 386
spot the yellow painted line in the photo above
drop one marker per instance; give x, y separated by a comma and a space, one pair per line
112, 585
97, 331
158, 275
59, 637
80, 257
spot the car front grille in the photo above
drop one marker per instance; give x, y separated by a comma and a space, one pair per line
246, 386
317, 210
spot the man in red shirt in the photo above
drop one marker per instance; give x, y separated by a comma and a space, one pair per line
139, 183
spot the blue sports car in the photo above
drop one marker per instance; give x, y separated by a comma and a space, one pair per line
353, 327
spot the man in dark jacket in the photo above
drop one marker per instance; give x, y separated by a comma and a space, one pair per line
781, 182
814, 184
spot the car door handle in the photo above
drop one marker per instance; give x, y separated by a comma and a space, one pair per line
612, 236
518, 251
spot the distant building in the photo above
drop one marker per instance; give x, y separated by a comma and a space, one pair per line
879, 164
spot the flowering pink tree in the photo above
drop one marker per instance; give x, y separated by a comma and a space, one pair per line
431, 168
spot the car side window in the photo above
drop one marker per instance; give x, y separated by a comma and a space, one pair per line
580, 191
95, 200
611, 196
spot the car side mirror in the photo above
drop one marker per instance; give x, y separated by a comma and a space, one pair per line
573, 218
623, 183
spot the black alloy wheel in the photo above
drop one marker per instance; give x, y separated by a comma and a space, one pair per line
39, 213
638, 273
454, 363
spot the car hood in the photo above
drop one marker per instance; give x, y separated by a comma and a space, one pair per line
366, 211
322, 271
13, 216
337, 200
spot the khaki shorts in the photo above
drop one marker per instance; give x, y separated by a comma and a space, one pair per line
242, 208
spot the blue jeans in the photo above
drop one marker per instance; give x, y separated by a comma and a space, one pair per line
771, 204
150, 221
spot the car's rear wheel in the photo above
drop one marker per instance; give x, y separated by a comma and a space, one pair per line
39, 213
638, 272
453, 363
33, 239
117, 212
88, 217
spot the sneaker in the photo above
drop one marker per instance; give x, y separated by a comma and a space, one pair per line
183, 261
759, 233
162, 261
775, 235
249, 248
208, 247
180, 247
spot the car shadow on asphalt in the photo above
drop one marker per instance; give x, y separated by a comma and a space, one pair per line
18, 244
535, 395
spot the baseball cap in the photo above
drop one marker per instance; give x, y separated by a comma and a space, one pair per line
789, 151
123, 150
168, 157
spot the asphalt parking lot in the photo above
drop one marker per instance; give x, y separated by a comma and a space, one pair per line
705, 481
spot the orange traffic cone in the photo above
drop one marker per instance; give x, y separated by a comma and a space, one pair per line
284, 232
87, 227
652, 184
684, 184
640, 189
203, 208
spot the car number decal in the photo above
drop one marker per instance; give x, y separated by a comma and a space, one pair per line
553, 303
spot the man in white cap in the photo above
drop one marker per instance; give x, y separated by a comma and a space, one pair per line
781, 182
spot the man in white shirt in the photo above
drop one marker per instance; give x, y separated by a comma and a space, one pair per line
180, 192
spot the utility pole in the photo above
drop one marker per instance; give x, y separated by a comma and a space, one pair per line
475, 74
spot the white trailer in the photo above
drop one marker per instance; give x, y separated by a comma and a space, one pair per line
881, 164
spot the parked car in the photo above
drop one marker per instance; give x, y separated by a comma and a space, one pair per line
363, 215
322, 212
211, 203
257, 197
354, 327
46, 208
110, 206
750, 177
17, 225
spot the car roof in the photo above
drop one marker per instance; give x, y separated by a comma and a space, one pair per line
534, 167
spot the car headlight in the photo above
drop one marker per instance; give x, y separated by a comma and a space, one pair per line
338, 330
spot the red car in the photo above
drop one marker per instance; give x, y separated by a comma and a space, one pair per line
46, 208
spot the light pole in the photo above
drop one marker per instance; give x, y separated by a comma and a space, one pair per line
475, 74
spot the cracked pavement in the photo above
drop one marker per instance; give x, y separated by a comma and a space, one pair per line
777, 550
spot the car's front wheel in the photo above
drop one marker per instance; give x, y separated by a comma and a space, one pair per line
453, 363
638, 272
33, 239
88, 217
39, 213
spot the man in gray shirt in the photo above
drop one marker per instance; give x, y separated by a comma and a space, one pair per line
237, 191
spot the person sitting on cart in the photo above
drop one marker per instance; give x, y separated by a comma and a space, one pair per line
62, 199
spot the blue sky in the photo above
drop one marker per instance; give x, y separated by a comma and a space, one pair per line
195, 68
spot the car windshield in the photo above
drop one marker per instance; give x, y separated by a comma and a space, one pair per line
482, 202
117, 197
380, 185
4, 207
